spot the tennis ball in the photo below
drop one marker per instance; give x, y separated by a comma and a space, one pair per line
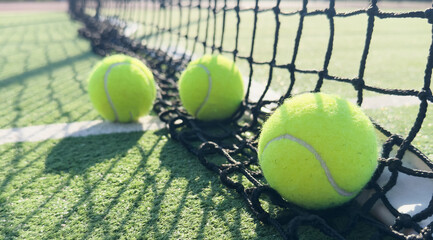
318, 150
211, 88
121, 88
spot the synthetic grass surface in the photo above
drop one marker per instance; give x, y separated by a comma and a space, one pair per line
43, 70
119, 186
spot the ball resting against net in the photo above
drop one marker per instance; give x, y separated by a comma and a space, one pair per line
318, 150
211, 88
121, 88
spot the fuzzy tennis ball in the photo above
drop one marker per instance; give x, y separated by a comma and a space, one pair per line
211, 88
318, 150
121, 88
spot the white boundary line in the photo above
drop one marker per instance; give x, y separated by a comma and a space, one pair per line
76, 129
98, 127
256, 90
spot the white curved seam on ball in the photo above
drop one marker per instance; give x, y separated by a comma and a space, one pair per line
319, 158
208, 89
106, 88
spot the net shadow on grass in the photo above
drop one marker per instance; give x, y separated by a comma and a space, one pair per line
68, 158
30, 74
29, 24
5, 210
13, 229
178, 168
86, 149
9, 231
76, 155
52, 101
204, 189
42, 73
115, 200
14, 163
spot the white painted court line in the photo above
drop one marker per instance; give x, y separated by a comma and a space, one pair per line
98, 127
410, 195
388, 101
76, 129
375, 102
257, 88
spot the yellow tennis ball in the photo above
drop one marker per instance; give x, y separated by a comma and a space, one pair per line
211, 88
318, 150
121, 88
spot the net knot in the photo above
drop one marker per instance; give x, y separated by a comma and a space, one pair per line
276, 10
429, 15
372, 10
303, 12
393, 164
323, 73
404, 220
358, 84
424, 94
291, 67
330, 12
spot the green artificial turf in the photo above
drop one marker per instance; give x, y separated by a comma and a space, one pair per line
43, 70
123, 186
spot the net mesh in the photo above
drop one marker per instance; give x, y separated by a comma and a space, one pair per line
167, 34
